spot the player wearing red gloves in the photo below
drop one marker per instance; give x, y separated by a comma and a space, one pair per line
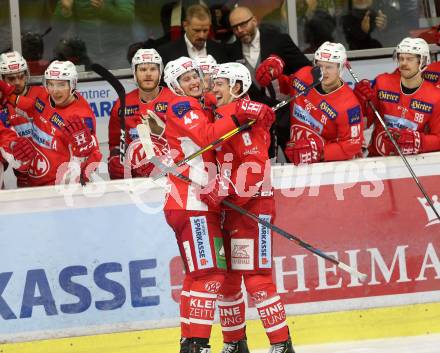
14, 71
195, 224
409, 104
327, 121
63, 128
149, 99
244, 180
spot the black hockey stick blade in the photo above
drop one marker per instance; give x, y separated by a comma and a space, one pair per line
120, 91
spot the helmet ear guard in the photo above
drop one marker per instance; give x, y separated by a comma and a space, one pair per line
333, 53
62, 71
176, 68
234, 72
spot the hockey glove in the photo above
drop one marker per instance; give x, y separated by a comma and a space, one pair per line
214, 193
115, 169
23, 152
6, 90
79, 137
246, 109
270, 69
409, 141
305, 151
363, 91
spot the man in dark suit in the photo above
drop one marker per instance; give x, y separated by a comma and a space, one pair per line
195, 42
254, 44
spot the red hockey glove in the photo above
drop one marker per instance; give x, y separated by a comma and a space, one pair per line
214, 193
6, 90
246, 109
363, 91
305, 151
115, 169
409, 141
23, 151
90, 164
143, 169
79, 137
270, 69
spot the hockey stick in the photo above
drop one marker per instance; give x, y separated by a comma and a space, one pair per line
361, 276
120, 91
317, 77
396, 146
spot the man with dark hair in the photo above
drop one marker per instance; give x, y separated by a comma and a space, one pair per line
195, 42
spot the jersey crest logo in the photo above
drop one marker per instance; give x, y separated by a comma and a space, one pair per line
131, 110
388, 96
354, 115
161, 107
328, 110
39, 105
181, 108
421, 106
57, 120
431, 76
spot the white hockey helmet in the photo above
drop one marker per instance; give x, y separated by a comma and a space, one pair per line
146, 56
206, 64
332, 53
234, 72
62, 71
12, 63
416, 46
176, 68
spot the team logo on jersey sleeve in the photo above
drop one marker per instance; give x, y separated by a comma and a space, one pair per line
57, 120
131, 110
39, 105
354, 115
431, 76
181, 108
388, 96
421, 106
161, 107
328, 110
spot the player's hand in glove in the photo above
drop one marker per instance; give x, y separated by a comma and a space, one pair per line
409, 141
270, 69
90, 164
246, 109
363, 91
23, 152
5, 91
79, 137
115, 169
305, 151
214, 193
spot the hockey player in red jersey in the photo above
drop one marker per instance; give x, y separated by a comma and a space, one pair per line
149, 99
14, 149
196, 225
409, 104
14, 70
63, 128
327, 121
244, 179
207, 64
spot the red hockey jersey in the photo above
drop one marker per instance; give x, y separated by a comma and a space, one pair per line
432, 73
419, 111
49, 141
134, 109
335, 117
188, 129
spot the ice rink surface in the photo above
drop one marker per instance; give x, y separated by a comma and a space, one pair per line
414, 344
